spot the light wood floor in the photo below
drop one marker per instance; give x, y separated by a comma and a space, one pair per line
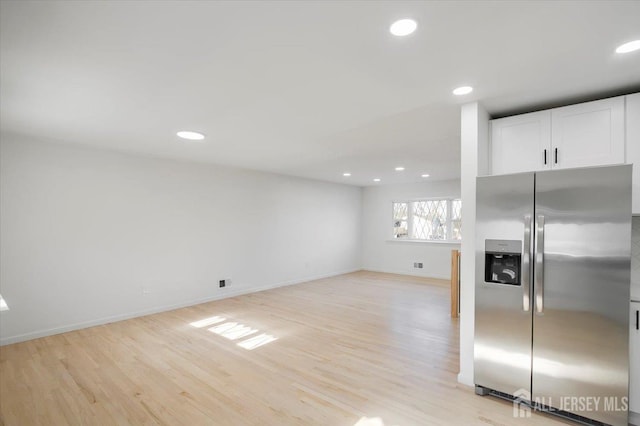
359, 345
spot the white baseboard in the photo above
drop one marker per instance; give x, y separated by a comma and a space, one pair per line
468, 381
406, 272
121, 317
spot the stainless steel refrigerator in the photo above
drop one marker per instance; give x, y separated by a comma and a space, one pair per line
552, 289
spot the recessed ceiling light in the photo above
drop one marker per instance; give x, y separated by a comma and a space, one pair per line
628, 47
463, 90
376, 180
425, 175
399, 169
346, 174
192, 136
403, 27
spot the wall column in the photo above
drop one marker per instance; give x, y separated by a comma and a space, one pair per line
474, 149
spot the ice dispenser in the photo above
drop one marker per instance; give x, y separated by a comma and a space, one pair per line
502, 261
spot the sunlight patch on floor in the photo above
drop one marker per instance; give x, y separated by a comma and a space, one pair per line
233, 331
207, 321
369, 421
257, 341
222, 328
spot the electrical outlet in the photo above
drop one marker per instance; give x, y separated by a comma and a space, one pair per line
223, 283
420, 265
417, 265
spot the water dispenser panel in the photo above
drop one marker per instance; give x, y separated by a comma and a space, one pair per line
503, 261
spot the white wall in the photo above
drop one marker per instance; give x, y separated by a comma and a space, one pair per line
90, 236
474, 142
381, 253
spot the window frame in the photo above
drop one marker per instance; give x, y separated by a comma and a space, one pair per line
410, 215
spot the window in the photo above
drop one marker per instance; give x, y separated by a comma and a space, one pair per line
428, 220
400, 220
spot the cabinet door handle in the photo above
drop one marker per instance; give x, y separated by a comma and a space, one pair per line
555, 153
637, 320
545, 157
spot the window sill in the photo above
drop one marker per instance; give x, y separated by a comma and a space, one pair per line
443, 242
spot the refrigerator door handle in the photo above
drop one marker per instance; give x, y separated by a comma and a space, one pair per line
539, 264
526, 265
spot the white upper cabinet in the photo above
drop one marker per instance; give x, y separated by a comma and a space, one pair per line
633, 145
521, 143
588, 134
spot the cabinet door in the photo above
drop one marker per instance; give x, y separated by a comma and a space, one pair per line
521, 143
588, 134
634, 359
632, 121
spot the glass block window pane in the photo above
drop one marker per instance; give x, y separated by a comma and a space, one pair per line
456, 219
429, 220
400, 220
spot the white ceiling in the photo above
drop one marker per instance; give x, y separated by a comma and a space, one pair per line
304, 88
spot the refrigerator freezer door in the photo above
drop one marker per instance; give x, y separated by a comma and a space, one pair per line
502, 347
580, 331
